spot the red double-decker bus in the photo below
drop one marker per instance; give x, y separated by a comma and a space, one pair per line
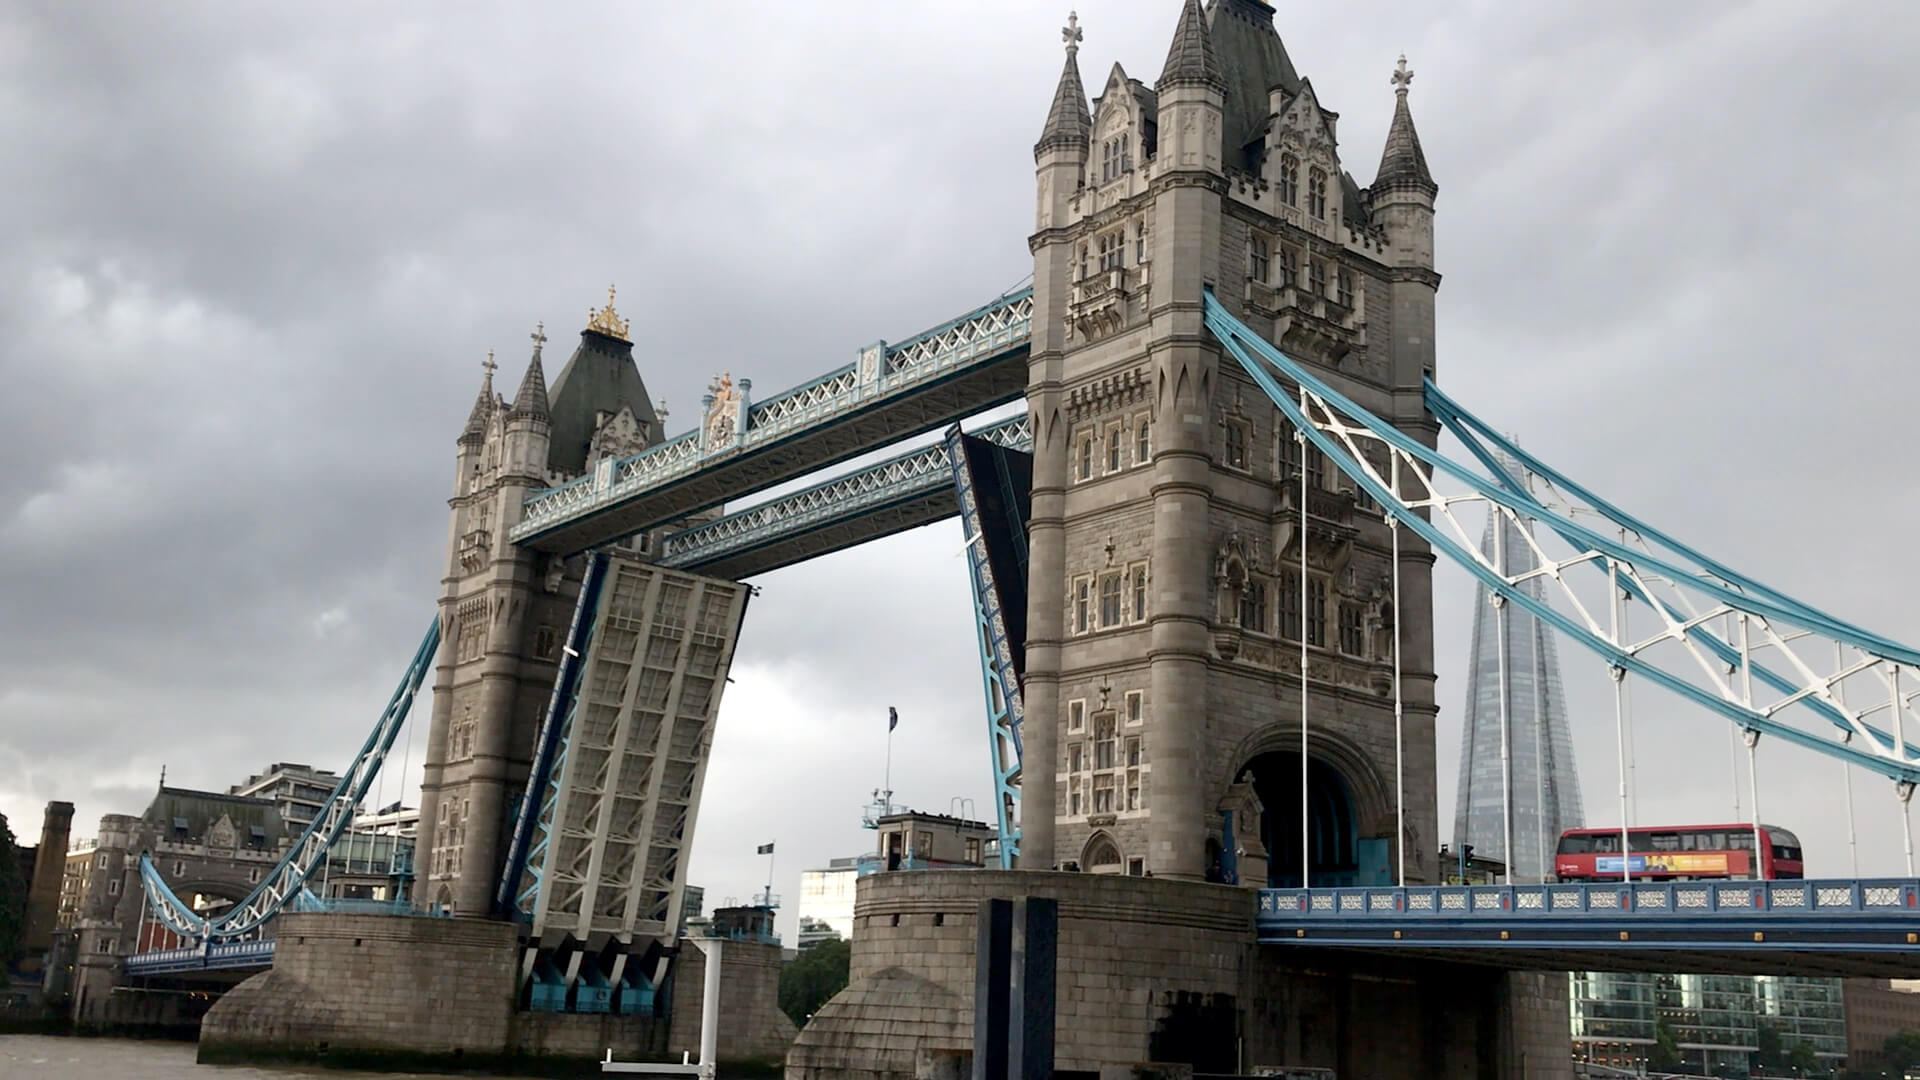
1677, 853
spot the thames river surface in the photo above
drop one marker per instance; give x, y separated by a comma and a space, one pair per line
32, 1057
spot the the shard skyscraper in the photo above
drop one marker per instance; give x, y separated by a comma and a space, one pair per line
1546, 787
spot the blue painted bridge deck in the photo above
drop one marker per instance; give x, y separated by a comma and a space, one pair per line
1867, 927
218, 956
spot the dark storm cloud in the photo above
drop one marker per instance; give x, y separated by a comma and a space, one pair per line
252, 259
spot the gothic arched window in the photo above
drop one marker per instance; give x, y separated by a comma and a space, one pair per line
1289, 179
1317, 193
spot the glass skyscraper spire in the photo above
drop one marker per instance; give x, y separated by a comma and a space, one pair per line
1546, 787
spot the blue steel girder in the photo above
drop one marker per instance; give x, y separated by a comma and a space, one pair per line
903, 492
207, 956
1840, 927
1006, 710
1406, 484
288, 878
893, 392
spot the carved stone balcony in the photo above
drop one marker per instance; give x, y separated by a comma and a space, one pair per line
1099, 304
475, 547
1308, 324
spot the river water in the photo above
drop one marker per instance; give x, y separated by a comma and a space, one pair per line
45, 1057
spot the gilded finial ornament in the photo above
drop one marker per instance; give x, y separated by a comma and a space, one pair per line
1402, 76
1071, 34
606, 322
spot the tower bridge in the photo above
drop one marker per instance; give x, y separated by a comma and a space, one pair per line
1202, 563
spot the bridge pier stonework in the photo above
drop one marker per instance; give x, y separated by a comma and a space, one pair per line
1159, 970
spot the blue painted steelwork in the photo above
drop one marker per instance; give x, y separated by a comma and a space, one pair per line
289, 877
1000, 678
735, 543
559, 716
1262, 360
885, 374
206, 956
1843, 916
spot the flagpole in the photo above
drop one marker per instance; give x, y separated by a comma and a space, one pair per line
772, 853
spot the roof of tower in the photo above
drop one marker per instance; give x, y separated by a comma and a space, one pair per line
531, 399
476, 429
599, 377
1068, 121
1253, 61
1403, 165
199, 810
1191, 59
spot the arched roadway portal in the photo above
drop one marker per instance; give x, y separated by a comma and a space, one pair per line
1337, 854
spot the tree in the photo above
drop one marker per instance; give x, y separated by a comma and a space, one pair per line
1901, 1050
1802, 1057
13, 896
814, 976
1666, 1048
1771, 1053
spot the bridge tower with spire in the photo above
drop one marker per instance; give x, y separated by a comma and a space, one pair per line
1171, 501
504, 609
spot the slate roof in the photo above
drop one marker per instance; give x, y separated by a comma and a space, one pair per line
599, 376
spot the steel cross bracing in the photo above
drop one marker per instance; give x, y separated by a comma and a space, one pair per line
892, 392
1005, 708
903, 492
1756, 676
288, 878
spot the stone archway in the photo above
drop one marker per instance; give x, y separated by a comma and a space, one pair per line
1101, 855
1350, 825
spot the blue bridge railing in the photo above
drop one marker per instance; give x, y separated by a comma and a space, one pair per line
1844, 916
223, 955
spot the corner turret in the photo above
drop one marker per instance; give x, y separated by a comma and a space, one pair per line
1403, 190
1060, 157
1191, 95
529, 421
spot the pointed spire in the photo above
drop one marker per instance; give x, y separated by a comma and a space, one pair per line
476, 429
531, 399
1069, 123
1403, 165
1190, 60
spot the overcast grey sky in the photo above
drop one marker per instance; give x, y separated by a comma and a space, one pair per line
251, 258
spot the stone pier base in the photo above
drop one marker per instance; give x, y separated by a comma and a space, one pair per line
386, 991
1165, 972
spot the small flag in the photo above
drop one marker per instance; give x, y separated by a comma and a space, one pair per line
893, 719
765, 849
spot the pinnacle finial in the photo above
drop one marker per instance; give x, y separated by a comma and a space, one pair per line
1402, 76
606, 322
488, 365
539, 338
1071, 34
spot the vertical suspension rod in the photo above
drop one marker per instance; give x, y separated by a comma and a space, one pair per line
1846, 770
1502, 644
1751, 735
1306, 829
1619, 673
1399, 732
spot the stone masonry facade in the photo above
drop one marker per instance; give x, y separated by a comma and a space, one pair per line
1153, 969
1164, 624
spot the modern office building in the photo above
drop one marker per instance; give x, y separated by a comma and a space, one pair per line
1712, 1025
1545, 786
298, 790
826, 899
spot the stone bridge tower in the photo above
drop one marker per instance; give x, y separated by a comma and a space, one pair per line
504, 610
1164, 652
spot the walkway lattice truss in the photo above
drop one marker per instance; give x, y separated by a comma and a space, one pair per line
1764, 661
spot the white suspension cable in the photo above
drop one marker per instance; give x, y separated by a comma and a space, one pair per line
1506, 756
1614, 603
1751, 735
1399, 734
1904, 790
1306, 842
400, 803
1539, 746
1626, 703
